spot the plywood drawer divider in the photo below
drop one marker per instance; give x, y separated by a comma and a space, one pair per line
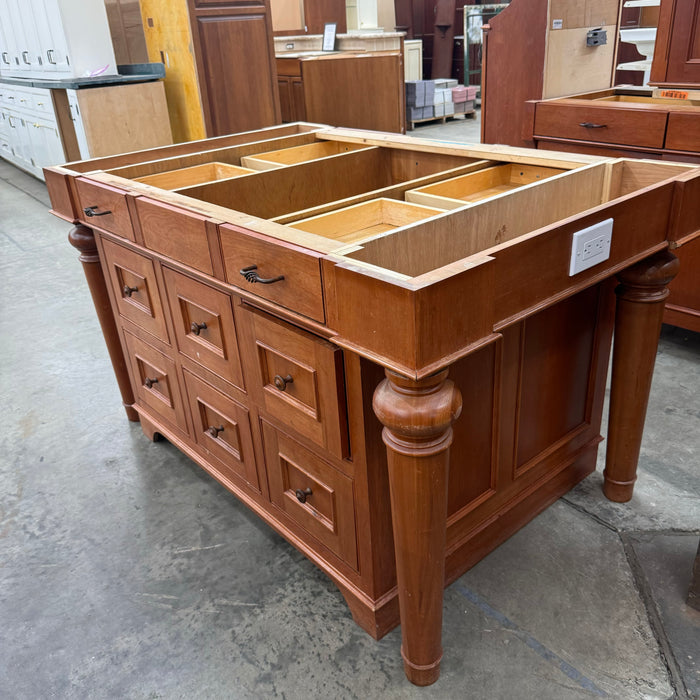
298, 154
361, 221
194, 175
473, 187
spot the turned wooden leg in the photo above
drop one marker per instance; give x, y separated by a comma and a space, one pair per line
640, 307
417, 418
82, 238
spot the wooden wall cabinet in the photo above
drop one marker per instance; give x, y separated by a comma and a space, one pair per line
311, 352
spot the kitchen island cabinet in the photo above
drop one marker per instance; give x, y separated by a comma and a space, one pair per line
396, 388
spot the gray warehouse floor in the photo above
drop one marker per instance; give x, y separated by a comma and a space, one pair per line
127, 572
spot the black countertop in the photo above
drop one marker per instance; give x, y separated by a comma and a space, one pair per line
133, 73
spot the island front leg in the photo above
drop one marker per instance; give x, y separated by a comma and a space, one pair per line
417, 416
82, 238
641, 297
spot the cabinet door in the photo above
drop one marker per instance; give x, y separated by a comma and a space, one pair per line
284, 85
78, 125
235, 64
16, 31
677, 50
52, 39
7, 51
46, 144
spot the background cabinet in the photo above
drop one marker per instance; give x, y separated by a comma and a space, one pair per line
677, 49
57, 38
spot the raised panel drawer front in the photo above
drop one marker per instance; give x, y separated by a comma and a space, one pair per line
133, 280
178, 234
155, 381
584, 122
222, 430
315, 495
683, 131
104, 207
288, 275
300, 377
204, 327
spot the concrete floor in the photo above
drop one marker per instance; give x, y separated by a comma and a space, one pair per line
126, 572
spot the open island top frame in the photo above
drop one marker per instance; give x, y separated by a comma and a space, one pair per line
374, 341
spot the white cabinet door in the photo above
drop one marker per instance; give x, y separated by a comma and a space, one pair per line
52, 36
77, 119
7, 51
27, 42
46, 143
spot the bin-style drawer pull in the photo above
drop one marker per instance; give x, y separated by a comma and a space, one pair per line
128, 291
148, 382
214, 431
303, 495
91, 211
251, 275
197, 328
591, 125
281, 382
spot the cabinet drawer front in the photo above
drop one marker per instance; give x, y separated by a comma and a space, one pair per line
299, 378
600, 124
155, 381
108, 207
178, 234
315, 495
133, 280
204, 327
300, 290
683, 131
222, 430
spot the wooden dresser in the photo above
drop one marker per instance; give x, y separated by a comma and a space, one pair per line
374, 341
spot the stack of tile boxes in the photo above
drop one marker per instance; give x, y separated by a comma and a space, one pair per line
443, 97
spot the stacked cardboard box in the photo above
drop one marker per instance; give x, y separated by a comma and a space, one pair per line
442, 97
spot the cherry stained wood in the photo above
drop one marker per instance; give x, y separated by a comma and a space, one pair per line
677, 48
683, 304
483, 291
205, 330
417, 418
235, 64
104, 207
83, 239
640, 307
134, 286
221, 429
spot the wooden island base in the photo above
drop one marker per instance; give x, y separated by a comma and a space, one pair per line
395, 388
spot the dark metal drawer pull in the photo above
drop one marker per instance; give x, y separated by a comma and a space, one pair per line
148, 382
591, 125
196, 328
303, 495
128, 291
252, 276
214, 431
90, 211
281, 382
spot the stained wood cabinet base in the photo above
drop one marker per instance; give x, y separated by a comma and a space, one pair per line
391, 396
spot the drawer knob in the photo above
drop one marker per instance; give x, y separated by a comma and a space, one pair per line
128, 291
148, 382
303, 495
251, 275
91, 211
214, 431
281, 382
197, 328
591, 125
